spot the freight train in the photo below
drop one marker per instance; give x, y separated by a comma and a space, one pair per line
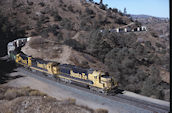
94, 79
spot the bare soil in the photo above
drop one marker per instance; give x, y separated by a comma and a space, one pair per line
52, 51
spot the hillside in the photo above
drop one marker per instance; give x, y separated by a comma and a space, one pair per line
68, 31
158, 26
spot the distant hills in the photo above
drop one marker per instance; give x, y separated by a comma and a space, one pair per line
147, 16
159, 26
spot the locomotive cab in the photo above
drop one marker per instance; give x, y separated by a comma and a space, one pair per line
55, 68
106, 80
102, 80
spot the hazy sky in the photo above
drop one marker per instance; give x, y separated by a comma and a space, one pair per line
158, 8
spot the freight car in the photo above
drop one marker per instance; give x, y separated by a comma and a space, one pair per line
94, 79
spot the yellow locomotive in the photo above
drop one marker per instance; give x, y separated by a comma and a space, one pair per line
94, 79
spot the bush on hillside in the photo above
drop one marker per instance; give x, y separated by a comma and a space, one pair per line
44, 19
44, 34
34, 33
89, 11
29, 3
42, 4
66, 24
103, 7
28, 11
97, 47
59, 37
115, 10
70, 8
120, 21
105, 21
56, 16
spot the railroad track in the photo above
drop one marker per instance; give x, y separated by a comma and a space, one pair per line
154, 108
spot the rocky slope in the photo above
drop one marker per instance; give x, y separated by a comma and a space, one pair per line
68, 31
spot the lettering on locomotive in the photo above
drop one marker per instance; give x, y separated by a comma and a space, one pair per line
41, 65
77, 75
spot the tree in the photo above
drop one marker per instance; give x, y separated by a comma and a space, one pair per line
125, 11
101, 1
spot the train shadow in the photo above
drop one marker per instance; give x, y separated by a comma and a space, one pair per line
119, 91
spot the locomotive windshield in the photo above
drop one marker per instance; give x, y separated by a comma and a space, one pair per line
106, 75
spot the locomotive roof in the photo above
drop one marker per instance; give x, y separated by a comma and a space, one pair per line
76, 68
71, 66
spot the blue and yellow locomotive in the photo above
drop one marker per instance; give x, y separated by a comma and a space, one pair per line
95, 79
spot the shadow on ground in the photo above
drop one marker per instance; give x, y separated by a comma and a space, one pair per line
7, 67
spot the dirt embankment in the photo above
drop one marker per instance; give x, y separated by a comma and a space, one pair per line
64, 54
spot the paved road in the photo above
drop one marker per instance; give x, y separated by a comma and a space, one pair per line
114, 105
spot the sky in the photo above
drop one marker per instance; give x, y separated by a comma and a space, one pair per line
157, 8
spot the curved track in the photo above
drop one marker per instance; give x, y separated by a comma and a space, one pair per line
152, 107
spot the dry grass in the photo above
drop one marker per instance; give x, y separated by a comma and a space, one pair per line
50, 99
70, 101
36, 93
9, 93
100, 110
